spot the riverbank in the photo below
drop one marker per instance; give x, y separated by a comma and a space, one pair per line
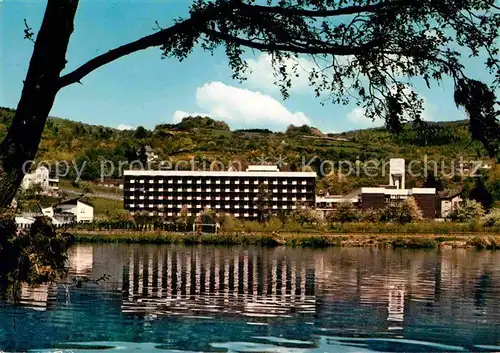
424, 241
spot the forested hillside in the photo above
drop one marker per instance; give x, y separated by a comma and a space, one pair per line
205, 139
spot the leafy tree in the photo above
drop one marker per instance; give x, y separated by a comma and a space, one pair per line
306, 214
367, 51
263, 202
345, 212
469, 210
492, 218
141, 133
481, 194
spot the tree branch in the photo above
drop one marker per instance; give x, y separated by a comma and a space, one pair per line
149, 41
326, 49
349, 10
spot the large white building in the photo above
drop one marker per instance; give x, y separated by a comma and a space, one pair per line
83, 211
239, 193
42, 177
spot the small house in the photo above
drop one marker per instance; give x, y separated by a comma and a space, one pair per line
83, 210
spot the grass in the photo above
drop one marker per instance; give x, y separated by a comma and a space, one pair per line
66, 184
414, 241
102, 206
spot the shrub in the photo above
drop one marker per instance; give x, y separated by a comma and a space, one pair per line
491, 219
345, 212
403, 213
370, 215
468, 210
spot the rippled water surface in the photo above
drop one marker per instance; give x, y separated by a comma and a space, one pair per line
246, 299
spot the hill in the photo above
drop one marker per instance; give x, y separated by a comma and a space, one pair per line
202, 139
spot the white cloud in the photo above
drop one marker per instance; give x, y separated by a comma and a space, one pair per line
261, 73
125, 127
180, 114
357, 116
243, 107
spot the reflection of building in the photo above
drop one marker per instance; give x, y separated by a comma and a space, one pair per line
80, 259
237, 193
172, 281
36, 298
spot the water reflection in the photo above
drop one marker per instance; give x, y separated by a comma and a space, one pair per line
279, 299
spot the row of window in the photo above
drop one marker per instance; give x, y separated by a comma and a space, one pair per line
201, 207
215, 198
207, 190
219, 182
189, 214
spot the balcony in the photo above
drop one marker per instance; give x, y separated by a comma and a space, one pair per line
256, 182
198, 197
160, 197
275, 207
170, 181
198, 206
236, 190
227, 198
179, 189
236, 181
217, 206
170, 214
131, 189
208, 198
208, 190
236, 215
131, 205
189, 198
189, 181
304, 190
275, 199
275, 182
208, 182
170, 205
217, 198
236, 206
226, 182
151, 181
246, 198
304, 182
246, 182
217, 182
217, 190
275, 190
246, 207
189, 190
160, 189
160, 181
170, 189
294, 182
247, 190
226, 206
285, 198
294, 190
294, 199
246, 215
198, 181
285, 182
141, 197
132, 197
179, 197
198, 189
141, 181
132, 181
170, 197
151, 189
227, 190
236, 198
179, 181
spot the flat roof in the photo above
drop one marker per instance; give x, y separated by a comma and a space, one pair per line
195, 173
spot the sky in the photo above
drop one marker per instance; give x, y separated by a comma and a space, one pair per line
143, 89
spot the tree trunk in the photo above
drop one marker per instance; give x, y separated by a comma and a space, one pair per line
39, 91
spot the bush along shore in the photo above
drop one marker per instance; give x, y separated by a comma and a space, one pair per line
476, 240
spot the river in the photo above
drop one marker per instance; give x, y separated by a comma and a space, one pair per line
256, 299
